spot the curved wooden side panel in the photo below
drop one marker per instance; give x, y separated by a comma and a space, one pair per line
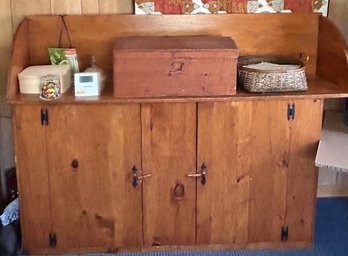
20, 58
332, 54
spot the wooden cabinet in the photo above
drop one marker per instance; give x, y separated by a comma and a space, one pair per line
259, 154
30, 144
270, 132
105, 174
223, 143
169, 153
253, 155
90, 153
85, 161
282, 170
178, 140
302, 173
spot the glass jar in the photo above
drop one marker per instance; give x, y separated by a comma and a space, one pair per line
50, 87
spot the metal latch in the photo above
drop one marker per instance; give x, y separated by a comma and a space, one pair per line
284, 234
291, 111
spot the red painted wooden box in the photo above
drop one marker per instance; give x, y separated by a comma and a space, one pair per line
174, 66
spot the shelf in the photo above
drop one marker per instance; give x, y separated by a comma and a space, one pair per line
318, 89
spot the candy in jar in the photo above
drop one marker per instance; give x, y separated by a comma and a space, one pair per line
50, 87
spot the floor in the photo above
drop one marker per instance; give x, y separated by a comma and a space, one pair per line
331, 236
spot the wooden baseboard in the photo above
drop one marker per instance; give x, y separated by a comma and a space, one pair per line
188, 248
332, 190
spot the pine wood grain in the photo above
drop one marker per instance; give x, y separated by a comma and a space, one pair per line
94, 205
53, 29
224, 136
190, 248
283, 26
112, 6
340, 190
239, 27
33, 177
169, 154
108, 137
180, 66
303, 175
318, 89
338, 12
268, 170
65, 7
332, 53
20, 58
90, 6
5, 46
22, 8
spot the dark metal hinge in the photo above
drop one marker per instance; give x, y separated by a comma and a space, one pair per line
44, 116
53, 240
284, 234
291, 111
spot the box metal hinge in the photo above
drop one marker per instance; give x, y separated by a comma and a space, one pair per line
284, 234
53, 240
44, 116
291, 111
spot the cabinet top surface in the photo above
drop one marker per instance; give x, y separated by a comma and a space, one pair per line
318, 89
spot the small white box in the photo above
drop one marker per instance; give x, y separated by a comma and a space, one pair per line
87, 84
29, 78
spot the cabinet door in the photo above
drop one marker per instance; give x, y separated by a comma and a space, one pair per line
32, 176
91, 151
224, 142
303, 175
169, 154
268, 170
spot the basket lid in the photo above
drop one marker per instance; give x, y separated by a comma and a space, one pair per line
269, 63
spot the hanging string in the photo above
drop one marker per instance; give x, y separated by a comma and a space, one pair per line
63, 26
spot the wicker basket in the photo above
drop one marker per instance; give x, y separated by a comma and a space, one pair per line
256, 80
